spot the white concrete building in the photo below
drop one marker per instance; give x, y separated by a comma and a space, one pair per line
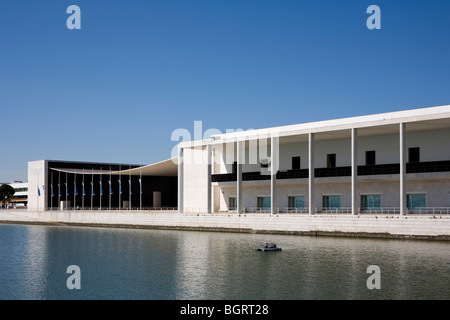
20, 197
395, 162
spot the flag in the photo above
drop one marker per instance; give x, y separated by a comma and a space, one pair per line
51, 186
59, 190
67, 189
84, 192
110, 189
140, 186
129, 183
76, 191
101, 188
43, 189
92, 184
39, 192
120, 186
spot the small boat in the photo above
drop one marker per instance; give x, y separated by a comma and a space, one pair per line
269, 247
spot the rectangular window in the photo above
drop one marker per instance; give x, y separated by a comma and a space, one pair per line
331, 160
370, 158
414, 201
297, 202
263, 202
232, 204
414, 154
331, 202
371, 201
295, 163
234, 168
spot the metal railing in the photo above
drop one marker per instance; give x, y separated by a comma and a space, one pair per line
114, 209
430, 210
347, 210
304, 210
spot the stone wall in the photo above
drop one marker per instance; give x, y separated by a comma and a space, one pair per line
389, 226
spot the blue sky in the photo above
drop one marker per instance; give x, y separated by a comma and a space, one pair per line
115, 90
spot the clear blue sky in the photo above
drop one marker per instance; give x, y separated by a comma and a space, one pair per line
115, 90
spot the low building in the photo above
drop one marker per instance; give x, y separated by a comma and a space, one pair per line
20, 197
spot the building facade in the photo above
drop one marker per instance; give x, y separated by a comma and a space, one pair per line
395, 162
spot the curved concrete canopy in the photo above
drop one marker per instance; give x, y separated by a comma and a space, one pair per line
167, 168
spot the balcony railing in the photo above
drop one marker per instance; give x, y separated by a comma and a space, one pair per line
379, 169
348, 210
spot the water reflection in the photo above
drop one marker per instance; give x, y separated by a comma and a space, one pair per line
158, 264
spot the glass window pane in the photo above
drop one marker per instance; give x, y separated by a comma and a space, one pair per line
264, 202
372, 201
232, 203
297, 202
414, 201
332, 201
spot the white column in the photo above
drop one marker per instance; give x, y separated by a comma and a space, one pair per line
274, 159
354, 156
403, 208
208, 178
311, 173
180, 180
239, 176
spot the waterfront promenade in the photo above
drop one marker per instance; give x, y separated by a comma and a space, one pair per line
430, 227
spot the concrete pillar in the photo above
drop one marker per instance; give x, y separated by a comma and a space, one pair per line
180, 180
403, 208
274, 160
311, 172
354, 157
208, 179
239, 160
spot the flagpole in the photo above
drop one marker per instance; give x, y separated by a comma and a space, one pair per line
140, 188
92, 191
82, 196
110, 188
67, 190
75, 191
120, 186
101, 191
129, 182
59, 189
51, 202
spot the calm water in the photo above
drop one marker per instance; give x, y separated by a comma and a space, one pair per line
156, 264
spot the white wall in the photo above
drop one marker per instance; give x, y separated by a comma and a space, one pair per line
37, 177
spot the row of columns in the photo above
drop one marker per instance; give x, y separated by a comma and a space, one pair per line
311, 180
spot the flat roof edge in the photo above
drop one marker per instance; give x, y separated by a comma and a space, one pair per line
404, 116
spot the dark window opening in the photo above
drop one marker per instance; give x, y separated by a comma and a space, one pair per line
370, 158
414, 154
331, 160
295, 163
264, 163
234, 168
